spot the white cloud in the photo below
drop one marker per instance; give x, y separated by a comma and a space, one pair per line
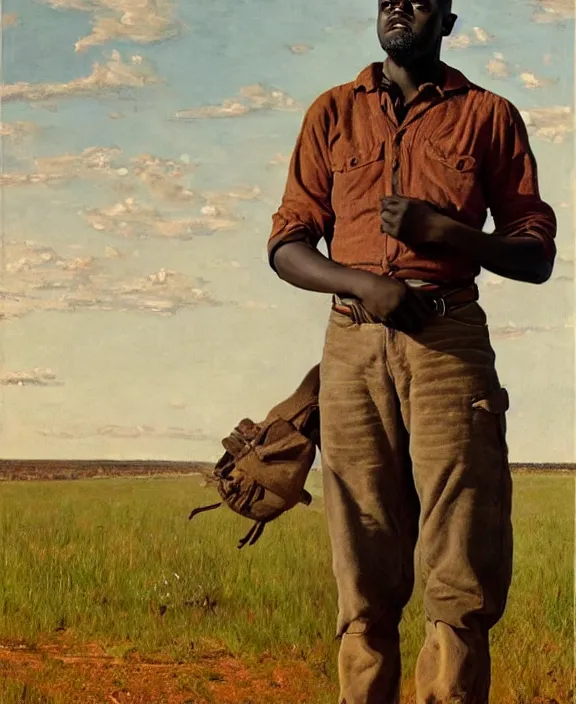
300, 48
530, 80
129, 432
111, 77
490, 279
257, 305
111, 252
37, 278
33, 377
551, 124
477, 37
141, 21
17, 130
130, 218
250, 99
497, 68
554, 11
513, 331
161, 177
221, 198
280, 159
68, 166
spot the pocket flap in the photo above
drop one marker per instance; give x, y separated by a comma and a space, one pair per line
497, 402
458, 162
351, 161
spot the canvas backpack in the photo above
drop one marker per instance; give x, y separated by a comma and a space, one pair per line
265, 465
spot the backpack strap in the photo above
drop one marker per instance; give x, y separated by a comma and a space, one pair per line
253, 534
298, 407
196, 511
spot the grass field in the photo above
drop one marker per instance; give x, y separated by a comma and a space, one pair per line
109, 594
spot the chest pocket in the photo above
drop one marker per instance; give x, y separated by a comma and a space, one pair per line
453, 179
357, 181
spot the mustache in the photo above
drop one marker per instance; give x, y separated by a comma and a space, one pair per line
398, 18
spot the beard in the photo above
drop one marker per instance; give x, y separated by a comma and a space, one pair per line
400, 46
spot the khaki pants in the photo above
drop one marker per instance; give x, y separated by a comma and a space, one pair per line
413, 444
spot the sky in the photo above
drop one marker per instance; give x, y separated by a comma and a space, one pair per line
145, 145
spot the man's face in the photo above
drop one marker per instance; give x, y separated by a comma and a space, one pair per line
410, 29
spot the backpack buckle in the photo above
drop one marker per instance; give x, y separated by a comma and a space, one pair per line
439, 306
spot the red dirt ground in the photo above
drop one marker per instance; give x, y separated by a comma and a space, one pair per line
62, 670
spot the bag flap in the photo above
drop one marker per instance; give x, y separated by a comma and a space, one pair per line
280, 461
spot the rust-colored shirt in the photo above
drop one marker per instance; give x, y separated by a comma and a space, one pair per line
459, 147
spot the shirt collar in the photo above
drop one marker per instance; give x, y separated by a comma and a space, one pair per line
371, 78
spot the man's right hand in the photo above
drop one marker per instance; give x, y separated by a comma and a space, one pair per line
391, 301
387, 299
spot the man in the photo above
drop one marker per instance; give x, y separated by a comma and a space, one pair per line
396, 171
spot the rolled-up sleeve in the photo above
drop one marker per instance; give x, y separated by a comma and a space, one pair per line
305, 213
512, 183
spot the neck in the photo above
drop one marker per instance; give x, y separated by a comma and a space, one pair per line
409, 77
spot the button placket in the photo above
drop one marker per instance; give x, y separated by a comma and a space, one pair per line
389, 268
396, 160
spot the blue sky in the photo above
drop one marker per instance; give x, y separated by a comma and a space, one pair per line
140, 317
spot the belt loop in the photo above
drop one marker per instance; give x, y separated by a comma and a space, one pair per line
355, 314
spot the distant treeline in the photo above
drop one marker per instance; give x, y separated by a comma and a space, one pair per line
27, 470
84, 469
543, 466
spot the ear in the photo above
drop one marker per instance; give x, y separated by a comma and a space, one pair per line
448, 24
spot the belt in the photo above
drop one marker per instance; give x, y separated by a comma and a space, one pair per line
441, 301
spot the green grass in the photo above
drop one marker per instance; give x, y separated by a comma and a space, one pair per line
116, 561
12, 692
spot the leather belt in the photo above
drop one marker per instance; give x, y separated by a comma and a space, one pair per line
441, 301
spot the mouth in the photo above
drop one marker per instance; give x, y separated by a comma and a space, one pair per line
396, 23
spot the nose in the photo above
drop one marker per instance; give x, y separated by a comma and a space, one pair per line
403, 7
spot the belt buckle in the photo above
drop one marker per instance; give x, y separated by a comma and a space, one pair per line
439, 306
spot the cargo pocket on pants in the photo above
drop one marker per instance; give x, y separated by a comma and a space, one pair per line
494, 481
497, 403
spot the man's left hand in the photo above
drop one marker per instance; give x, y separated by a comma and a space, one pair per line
411, 221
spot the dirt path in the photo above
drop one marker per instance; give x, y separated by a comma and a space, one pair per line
63, 673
